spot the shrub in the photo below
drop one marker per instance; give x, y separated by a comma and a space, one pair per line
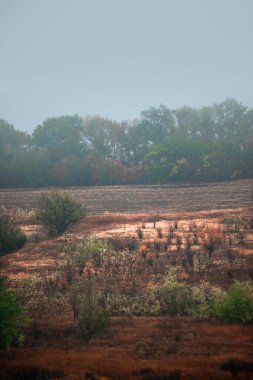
13, 318
91, 319
11, 237
57, 211
123, 305
238, 304
90, 250
159, 233
205, 301
174, 296
139, 233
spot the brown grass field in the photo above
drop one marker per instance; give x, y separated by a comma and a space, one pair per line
137, 347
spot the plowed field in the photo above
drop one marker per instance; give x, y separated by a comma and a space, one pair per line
130, 199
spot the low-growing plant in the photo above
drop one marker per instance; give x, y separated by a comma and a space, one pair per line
159, 233
75, 299
57, 211
171, 229
118, 304
50, 286
125, 305
190, 257
11, 237
241, 237
13, 318
178, 242
139, 233
90, 250
210, 239
200, 262
157, 245
24, 216
131, 244
230, 255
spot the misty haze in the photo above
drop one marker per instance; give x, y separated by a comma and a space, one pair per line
126, 189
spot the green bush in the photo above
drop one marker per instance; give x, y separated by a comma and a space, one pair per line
237, 306
90, 250
91, 318
174, 296
57, 211
206, 301
11, 237
13, 318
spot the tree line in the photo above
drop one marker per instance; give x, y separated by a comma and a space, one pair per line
213, 143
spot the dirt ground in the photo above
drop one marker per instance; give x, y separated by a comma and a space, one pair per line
145, 199
145, 348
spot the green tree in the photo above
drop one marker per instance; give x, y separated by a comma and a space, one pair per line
104, 137
61, 137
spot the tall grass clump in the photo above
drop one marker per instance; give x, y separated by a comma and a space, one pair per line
57, 211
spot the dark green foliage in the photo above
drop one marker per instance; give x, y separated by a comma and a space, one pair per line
184, 145
57, 211
13, 318
238, 304
11, 237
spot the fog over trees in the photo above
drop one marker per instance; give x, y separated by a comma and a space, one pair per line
164, 145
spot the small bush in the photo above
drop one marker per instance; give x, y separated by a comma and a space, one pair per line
90, 250
91, 318
238, 304
159, 233
57, 211
174, 296
13, 318
11, 237
139, 233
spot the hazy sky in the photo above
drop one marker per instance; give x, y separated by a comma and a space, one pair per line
115, 58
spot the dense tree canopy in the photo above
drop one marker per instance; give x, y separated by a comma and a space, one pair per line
186, 144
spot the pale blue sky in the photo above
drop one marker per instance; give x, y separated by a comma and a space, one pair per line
115, 58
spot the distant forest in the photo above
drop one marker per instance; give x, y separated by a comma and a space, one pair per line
212, 143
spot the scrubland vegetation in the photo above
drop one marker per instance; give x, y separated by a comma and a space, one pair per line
154, 267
